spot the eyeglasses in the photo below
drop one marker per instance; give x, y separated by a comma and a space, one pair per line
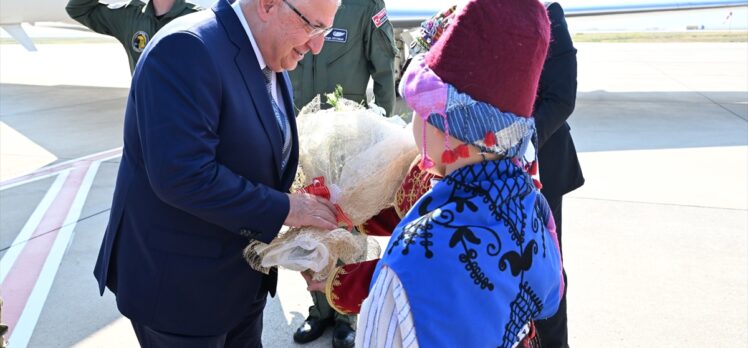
315, 30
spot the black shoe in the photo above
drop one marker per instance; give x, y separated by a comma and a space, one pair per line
343, 336
311, 329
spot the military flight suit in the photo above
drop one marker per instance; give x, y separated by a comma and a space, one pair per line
132, 23
360, 46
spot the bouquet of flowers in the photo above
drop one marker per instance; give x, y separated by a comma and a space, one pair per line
357, 159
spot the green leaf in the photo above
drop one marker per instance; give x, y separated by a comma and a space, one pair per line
334, 97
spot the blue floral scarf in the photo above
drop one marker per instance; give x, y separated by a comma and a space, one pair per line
478, 257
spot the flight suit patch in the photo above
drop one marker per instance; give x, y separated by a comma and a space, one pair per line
380, 18
337, 35
139, 40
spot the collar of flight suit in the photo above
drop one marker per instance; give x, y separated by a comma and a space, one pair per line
175, 11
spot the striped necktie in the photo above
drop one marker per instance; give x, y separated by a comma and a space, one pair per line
281, 118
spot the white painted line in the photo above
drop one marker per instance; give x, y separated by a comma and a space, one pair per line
10, 256
44, 176
111, 157
36, 178
54, 169
27, 322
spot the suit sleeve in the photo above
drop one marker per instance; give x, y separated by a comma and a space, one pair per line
557, 92
178, 110
381, 52
99, 17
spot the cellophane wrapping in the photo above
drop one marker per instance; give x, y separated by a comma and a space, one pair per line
363, 158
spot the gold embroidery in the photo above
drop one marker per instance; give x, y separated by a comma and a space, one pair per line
333, 282
420, 182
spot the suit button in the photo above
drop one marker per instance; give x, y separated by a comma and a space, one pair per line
245, 232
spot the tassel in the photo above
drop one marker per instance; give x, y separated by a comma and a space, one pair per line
533, 168
449, 156
537, 183
426, 162
463, 151
490, 139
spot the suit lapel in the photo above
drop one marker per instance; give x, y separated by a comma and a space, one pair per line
254, 81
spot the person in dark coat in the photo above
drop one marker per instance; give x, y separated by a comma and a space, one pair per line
560, 171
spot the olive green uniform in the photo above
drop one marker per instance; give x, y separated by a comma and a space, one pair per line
361, 45
132, 23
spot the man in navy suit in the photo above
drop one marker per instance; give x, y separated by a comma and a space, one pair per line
210, 151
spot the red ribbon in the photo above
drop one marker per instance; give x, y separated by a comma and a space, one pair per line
319, 188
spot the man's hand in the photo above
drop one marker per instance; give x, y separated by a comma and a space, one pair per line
313, 285
310, 210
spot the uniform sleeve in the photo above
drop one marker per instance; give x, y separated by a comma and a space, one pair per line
348, 286
99, 17
381, 53
178, 111
557, 92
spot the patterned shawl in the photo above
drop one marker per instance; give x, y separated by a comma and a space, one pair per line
478, 257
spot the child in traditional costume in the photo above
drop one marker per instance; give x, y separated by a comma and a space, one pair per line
476, 259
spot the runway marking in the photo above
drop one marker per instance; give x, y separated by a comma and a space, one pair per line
10, 256
57, 168
661, 204
26, 284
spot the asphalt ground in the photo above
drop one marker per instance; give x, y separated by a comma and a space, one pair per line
655, 242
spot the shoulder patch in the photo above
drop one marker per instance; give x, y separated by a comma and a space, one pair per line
138, 41
380, 18
337, 35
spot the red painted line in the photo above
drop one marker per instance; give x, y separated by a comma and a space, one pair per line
24, 273
60, 167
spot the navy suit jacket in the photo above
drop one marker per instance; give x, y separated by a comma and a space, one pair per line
560, 171
200, 176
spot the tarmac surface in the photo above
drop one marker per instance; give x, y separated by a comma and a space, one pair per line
655, 242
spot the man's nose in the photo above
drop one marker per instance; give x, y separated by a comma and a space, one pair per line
315, 44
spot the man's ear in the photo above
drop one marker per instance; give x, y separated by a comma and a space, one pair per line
266, 7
